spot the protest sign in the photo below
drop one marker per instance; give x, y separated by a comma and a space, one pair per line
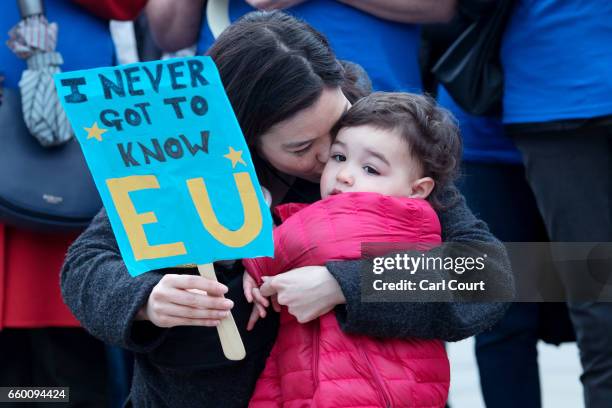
170, 162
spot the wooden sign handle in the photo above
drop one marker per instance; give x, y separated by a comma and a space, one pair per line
228, 332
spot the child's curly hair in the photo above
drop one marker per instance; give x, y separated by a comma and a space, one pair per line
431, 132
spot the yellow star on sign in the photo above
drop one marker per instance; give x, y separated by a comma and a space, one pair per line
235, 156
95, 132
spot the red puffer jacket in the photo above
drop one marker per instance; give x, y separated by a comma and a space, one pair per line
318, 365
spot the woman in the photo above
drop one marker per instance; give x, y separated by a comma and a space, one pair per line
285, 85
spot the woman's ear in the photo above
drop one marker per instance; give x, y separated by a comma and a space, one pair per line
422, 187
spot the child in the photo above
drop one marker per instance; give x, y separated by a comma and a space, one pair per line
391, 152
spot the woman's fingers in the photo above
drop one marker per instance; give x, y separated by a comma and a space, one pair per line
269, 286
308, 292
186, 312
186, 300
172, 321
211, 287
197, 300
275, 305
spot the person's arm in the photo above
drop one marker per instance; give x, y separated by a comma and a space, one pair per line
175, 24
311, 291
269, 5
408, 11
449, 321
102, 295
131, 311
113, 9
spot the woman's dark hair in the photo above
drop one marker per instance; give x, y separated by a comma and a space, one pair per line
431, 133
272, 66
357, 83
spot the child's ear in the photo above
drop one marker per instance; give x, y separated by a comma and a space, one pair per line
422, 187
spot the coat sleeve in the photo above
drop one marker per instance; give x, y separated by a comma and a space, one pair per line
101, 293
282, 261
258, 267
449, 321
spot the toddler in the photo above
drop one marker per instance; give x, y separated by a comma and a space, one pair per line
392, 155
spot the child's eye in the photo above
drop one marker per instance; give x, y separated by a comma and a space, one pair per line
338, 157
371, 170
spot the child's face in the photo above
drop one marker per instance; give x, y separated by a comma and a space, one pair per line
368, 159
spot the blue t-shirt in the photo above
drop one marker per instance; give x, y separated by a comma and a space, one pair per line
557, 59
483, 137
388, 51
83, 39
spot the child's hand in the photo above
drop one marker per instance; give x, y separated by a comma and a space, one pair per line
258, 312
253, 295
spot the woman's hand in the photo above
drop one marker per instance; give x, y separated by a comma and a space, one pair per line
186, 300
308, 292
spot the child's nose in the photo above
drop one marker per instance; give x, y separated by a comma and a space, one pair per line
344, 176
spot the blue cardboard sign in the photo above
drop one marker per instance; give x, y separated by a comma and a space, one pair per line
170, 162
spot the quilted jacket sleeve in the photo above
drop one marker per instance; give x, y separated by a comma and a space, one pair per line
267, 266
264, 266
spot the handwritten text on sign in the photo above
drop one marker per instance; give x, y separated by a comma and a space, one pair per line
170, 162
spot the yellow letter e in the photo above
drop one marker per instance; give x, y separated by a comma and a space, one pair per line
132, 221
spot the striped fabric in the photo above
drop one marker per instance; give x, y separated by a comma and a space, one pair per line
34, 39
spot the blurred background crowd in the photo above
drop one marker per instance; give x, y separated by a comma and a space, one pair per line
536, 168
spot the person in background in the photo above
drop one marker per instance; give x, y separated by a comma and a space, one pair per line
558, 110
42, 343
495, 188
373, 34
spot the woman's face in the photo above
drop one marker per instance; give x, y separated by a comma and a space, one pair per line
299, 146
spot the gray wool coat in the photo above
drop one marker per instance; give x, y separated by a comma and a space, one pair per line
185, 367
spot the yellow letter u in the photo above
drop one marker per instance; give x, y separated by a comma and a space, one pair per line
250, 206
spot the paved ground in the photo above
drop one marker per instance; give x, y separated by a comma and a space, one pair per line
559, 371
